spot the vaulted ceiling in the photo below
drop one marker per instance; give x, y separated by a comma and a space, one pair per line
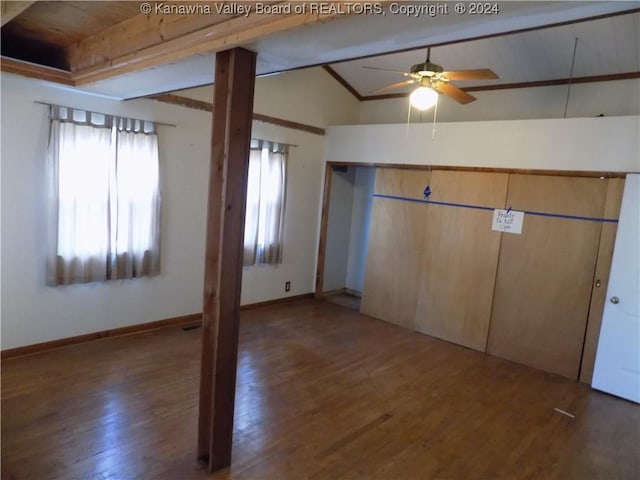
131, 49
605, 49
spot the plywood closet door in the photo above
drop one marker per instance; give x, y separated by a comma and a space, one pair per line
396, 236
459, 257
544, 279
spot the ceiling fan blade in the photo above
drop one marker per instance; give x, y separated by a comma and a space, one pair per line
406, 74
393, 86
454, 92
478, 74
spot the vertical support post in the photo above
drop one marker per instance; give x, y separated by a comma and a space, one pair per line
230, 146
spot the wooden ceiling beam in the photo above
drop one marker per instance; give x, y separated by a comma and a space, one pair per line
10, 10
136, 33
116, 51
32, 70
173, 99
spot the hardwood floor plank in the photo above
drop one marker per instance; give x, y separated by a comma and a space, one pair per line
322, 393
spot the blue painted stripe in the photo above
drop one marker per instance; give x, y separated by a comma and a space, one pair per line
479, 207
573, 217
424, 200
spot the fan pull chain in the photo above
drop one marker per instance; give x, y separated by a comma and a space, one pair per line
427, 191
435, 115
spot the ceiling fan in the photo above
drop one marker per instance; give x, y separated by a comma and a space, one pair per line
432, 78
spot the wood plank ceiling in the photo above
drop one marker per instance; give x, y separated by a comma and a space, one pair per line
42, 34
92, 41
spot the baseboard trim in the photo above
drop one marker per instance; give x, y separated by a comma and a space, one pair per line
88, 337
304, 296
340, 291
331, 293
184, 320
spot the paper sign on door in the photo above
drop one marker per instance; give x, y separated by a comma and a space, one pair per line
508, 221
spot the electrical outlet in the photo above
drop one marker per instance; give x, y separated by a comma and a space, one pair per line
287, 286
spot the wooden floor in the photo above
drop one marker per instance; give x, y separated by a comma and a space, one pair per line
344, 300
323, 393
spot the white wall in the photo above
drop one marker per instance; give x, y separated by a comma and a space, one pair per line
348, 228
310, 96
302, 217
616, 98
338, 230
32, 313
313, 97
360, 221
593, 144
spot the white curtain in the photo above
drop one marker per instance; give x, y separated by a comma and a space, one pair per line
137, 234
266, 195
103, 198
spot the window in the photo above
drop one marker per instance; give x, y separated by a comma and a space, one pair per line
266, 188
104, 198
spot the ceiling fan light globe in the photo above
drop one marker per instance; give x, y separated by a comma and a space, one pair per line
423, 98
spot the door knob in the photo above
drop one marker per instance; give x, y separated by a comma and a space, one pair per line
614, 300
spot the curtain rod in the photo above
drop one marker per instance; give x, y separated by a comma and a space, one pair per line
100, 113
275, 141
